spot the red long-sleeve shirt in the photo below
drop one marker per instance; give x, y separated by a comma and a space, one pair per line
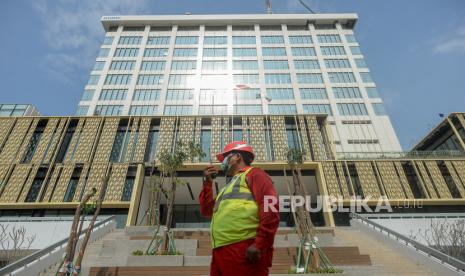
261, 185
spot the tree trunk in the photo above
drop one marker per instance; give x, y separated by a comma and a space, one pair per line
72, 236
169, 215
90, 228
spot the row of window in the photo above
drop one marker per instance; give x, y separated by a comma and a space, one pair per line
236, 52
344, 109
222, 40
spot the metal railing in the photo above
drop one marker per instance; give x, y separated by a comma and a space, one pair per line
37, 256
444, 258
402, 155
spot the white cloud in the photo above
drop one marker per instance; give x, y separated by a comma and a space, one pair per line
452, 43
73, 31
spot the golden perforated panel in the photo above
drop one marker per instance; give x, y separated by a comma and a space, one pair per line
74, 140
116, 182
87, 139
438, 179
455, 177
5, 127
96, 177
426, 180
315, 138
45, 140
215, 146
166, 136
279, 138
143, 140
226, 131
367, 179
105, 143
257, 137
25, 144
186, 134
55, 140
63, 182
14, 140
133, 136
28, 184
390, 180
342, 179
52, 182
15, 183
403, 180
331, 179
304, 134
81, 183
3, 171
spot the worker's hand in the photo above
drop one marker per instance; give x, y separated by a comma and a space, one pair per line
208, 172
253, 253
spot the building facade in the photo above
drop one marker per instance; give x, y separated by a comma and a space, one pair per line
272, 64
10, 110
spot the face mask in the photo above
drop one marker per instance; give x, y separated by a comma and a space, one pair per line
225, 165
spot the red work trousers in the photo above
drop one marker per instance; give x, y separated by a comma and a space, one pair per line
231, 260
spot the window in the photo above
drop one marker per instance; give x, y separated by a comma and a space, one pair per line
216, 28
179, 94
214, 96
108, 40
282, 109
244, 52
214, 65
352, 109
270, 27
113, 94
152, 66
151, 148
294, 140
275, 64
238, 40
332, 50
34, 190
355, 50
93, 80
215, 40
303, 51
82, 110
182, 79
160, 28
247, 94
275, 39
360, 62
108, 110
103, 52
118, 79
300, 39
280, 93
277, 78
185, 52
143, 110
205, 141
215, 52
347, 93
187, 40
366, 77
297, 27
337, 63
245, 65
244, 28
341, 77
146, 95
156, 52
150, 79
306, 64
276, 51
327, 26
188, 28
127, 190
120, 146
133, 28
313, 93
88, 95
126, 52
379, 109
178, 110
351, 38
71, 189
98, 66
214, 80
309, 78
130, 40
184, 65
247, 109
333, 38
213, 109
33, 143
317, 109
245, 78
372, 92
122, 65
158, 40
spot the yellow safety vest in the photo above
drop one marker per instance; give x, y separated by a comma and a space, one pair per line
235, 215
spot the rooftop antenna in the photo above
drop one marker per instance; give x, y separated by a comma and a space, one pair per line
268, 7
306, 6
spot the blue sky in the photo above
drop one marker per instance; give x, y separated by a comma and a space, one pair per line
415, 50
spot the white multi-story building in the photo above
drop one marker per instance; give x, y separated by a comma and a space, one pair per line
241, 65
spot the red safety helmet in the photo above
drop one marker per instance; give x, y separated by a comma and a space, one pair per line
235, 146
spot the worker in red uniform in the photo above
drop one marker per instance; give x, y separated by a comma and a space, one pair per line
242, 232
